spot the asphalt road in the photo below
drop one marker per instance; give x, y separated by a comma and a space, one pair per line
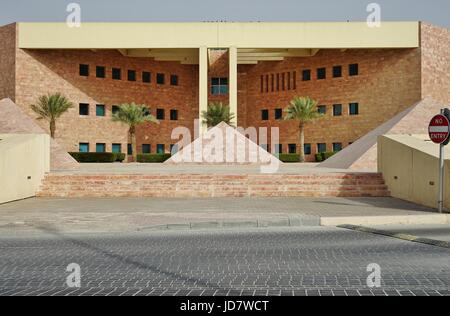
301, 261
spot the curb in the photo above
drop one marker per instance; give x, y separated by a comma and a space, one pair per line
260, 223
432, 218
421, 240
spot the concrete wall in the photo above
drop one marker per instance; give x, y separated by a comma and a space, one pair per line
410, 168
24, 160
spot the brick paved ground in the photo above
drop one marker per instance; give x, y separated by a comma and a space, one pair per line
307, 261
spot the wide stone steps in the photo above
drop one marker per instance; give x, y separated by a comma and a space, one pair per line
213, 185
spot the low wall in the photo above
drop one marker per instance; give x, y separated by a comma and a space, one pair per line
410, 167
24, 160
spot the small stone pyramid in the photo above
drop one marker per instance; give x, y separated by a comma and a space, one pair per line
223, 144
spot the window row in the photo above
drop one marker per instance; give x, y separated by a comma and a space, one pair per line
117, 148
353, 109
100, 110
116, 74
292, 148
288, 80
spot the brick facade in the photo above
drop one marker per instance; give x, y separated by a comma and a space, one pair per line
7, 61
389, 81
435, 47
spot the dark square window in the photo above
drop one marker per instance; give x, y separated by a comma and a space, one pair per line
129, 149
321, 147
306, 75
131, 75
160, 114
219, 86
292, 148
146, 148
116, 73
337, 71
337, 110
146, 77
264, 146
100, 72
307, 149
174, 115
100, 110
264, 115
321, 73
353, 70
83, 147
353, 109
337, 147
322, 109
84, 109
100, 148
115, 109
160, 149
117, 148
173, 80
160, 78
84, 70
278, 114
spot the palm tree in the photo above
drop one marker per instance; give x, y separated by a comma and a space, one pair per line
133, 115
217, 113
50, 107
304, 110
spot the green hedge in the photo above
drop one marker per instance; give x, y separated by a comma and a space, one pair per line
324, 156
289, 157
152, 158
98, 157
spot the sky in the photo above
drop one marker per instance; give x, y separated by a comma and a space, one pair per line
433, 11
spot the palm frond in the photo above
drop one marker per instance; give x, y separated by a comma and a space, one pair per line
302, 109
51, 106
133, 114
217, 113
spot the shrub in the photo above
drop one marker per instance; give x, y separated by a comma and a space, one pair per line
319, 157
289, 157
324, 156
152, 158
327, 155
98, 157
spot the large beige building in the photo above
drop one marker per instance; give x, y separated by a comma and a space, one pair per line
361, 76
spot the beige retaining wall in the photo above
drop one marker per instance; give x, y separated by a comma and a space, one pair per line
410, 167
24, 160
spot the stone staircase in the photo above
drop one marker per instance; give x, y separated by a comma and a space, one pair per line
213, 185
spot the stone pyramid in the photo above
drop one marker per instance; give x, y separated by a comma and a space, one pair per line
13, 120
362, 154
223, 144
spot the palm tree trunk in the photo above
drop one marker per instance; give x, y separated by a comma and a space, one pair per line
302, 142
52, 128
133, 143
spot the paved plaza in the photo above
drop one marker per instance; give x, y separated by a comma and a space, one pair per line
74, 215
303, 261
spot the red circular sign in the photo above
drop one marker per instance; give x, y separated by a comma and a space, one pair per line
439, 129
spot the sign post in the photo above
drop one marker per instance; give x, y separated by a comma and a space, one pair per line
439, 132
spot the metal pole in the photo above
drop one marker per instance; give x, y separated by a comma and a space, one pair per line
441, 175
441, 178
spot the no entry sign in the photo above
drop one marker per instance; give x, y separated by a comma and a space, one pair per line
439, 129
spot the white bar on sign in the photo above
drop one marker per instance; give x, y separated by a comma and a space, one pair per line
438, 129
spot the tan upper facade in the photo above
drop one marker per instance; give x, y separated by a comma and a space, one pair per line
241, 35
